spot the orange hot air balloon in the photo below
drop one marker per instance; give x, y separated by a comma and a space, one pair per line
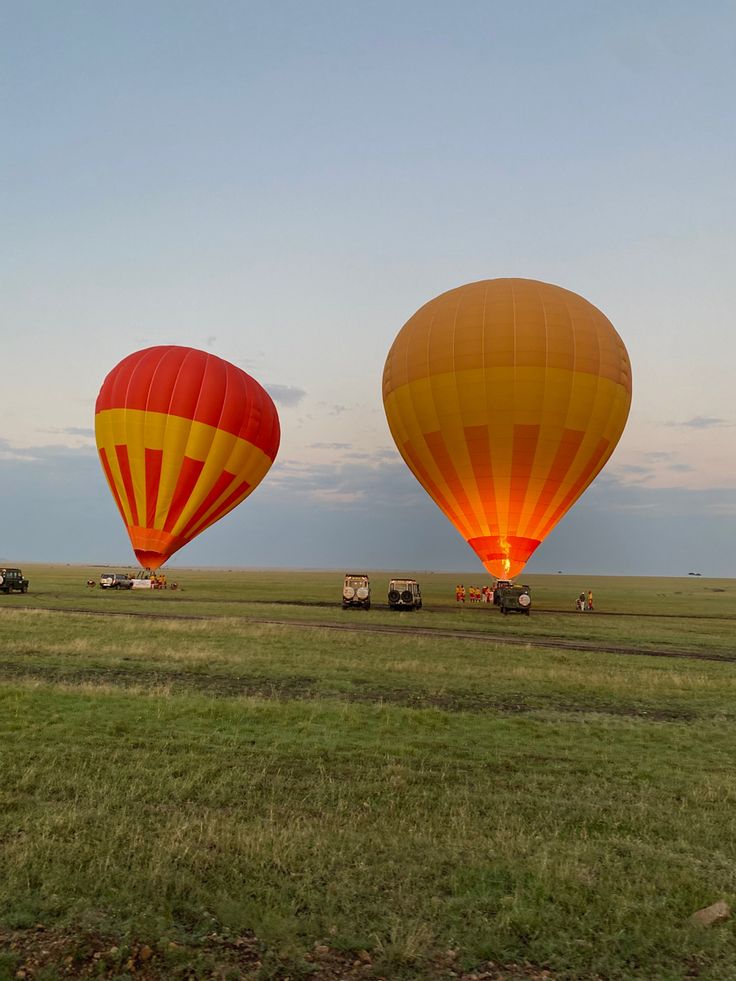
506, 398
183, 437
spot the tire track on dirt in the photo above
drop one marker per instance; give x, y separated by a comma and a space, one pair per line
554, 643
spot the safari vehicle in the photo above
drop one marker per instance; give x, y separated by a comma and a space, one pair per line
514, 598
404, 594
500, 583
115, 580
356, 591
12, 580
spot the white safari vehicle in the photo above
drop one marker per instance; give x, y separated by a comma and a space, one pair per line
115, 580
356, 591
404, 594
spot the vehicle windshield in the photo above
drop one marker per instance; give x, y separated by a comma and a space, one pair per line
401, 584
356, 581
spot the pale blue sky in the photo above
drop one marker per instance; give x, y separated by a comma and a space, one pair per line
285, 183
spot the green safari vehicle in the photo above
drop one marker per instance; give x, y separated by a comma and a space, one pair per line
514, 599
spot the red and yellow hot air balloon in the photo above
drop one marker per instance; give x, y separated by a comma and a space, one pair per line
183, 437
506, 398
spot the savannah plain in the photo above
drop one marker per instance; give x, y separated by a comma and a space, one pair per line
238, 779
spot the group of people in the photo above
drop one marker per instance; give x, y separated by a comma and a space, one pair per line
583, 602
484, 594
158, 579
474, 594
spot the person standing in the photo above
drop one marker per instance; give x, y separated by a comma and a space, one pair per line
590, 599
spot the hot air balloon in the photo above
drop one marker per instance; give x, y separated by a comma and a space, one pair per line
506, 398
183, 438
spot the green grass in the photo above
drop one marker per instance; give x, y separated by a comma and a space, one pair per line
172, 781
691, 613
199, 587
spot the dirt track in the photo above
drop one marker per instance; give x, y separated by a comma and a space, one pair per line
356, 625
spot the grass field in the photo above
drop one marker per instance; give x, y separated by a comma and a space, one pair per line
234, 786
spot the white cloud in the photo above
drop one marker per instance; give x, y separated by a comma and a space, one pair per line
701, 422
285, 395
329, 446
84, 431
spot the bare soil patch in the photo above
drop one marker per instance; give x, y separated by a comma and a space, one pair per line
33, 953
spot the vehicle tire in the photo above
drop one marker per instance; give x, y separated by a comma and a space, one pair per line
394, 596
24, 589
367, 606
2, 579
406, 596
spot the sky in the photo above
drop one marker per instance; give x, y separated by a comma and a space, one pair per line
284, 184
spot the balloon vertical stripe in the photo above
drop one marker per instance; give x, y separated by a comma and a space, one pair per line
111, 480
418, 467
154, 459
228, 504
188, 477
121, 452
561, 464
443, 461
593, 466
524, 449
221, 485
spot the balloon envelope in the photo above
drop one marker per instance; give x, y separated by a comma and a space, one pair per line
506, 398
183, 438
